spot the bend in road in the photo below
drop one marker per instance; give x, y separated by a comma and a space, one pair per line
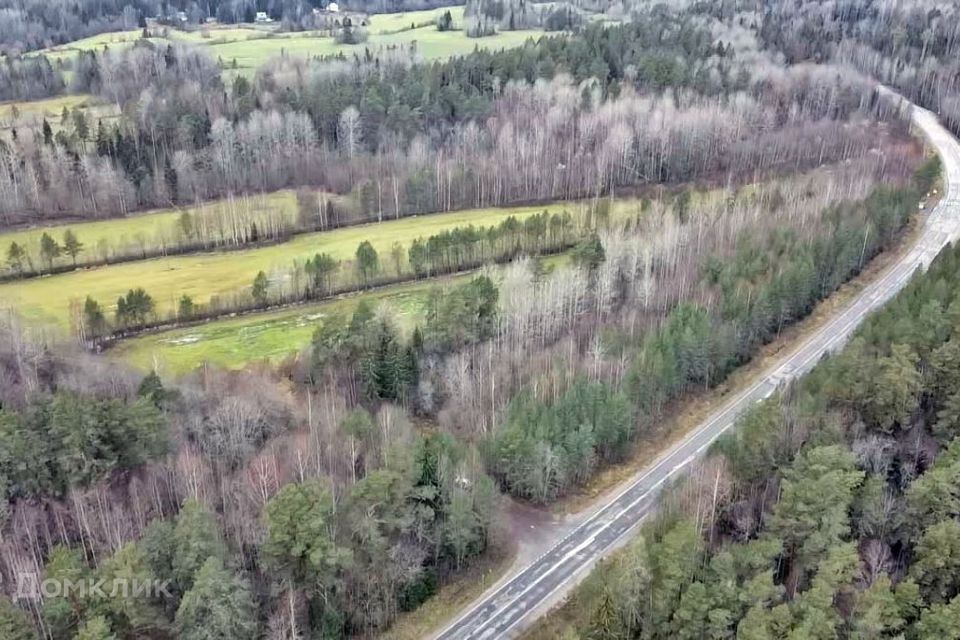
505, 610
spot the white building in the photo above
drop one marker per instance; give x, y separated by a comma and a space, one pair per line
333, 7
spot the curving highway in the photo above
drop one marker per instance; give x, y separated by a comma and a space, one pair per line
506, 609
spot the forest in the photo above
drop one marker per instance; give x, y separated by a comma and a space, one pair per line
830, 512
697, 179
324, 508
407, 139
28, 25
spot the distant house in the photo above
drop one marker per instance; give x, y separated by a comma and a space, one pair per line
174, 18
262, 17
333, 7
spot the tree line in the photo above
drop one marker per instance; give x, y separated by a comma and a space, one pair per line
31, 78
367, 525
544, 446
36, 24
329, 511
828, 512
234, 223
743, 298
321, 276
418, 138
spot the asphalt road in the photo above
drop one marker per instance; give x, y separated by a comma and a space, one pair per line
509, 608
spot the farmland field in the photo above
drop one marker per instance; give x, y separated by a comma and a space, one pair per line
47, 300
236, 342
250, 46
31, 114
389, 22
273, 336
150, 230
430, 44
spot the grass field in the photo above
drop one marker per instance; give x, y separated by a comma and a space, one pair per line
430, 44
47, 301
30, 115
390, 22
391, 30
250, 46
93, 43
236, 342
150, 230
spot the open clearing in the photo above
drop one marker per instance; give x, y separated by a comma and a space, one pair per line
47, 301
430, 44
21, 116
147, 231
249, 46
236, 342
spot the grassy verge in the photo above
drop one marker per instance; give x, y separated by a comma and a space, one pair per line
452, 597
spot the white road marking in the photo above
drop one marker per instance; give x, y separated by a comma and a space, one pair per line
940, 228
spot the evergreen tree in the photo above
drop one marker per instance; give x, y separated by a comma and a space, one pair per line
96, 628
321, 269
605, 623
15, 624
133, 614
94, 318
940, 621
445, 22
151, 388
186, 308
49, 249
298, 542
589, 253
16, 255
260, 288
71, 246
134, 308
936, 567
811, 517
217, 607
196, 538
368, 262
64, 612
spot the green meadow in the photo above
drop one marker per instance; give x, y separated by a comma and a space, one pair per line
249, 46
237, 342
47, 301
30, 115
430, 44
273, 336
149, 230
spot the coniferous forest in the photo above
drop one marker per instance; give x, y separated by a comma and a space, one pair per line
829, 512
